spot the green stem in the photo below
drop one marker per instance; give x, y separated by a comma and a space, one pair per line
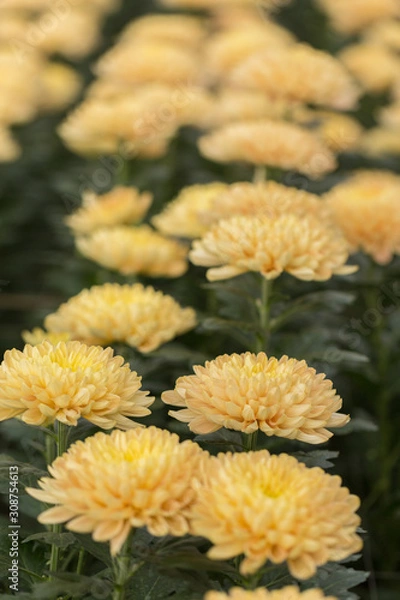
81, 559
264, 307
61, 432
260, 174
123, 570
250, 441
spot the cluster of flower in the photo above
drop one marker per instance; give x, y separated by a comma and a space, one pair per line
32, 82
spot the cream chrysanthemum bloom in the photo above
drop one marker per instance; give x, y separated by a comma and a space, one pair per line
38, 335
338, 131
351, 16
69, 381
136, 315
299, 73
287, 593
301, 246
275, 508
133, 250
149, 61
267, 198
366, 208
179, 29
110, 484
130, 124
250, 392
274, 143
182, 216
120, 206
386, 33
380, 141
375, 67
227, 49
235, 104
389, 116
60, 85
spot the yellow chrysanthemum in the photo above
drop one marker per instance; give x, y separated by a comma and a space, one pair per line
386, 33
275, 508
380, 141
251, 392
9, 148
120, 206
301, 246
69, 381
38, 335
213, 4
178, 29
133, 250
60, 85
375, 67
389, 116
354, 15
19, 85
227, 49
274, 143
182, 216
265, 198
339, 132
128, 125
290, 592
110, 484
299, 73
138, 316
149, 61
234, 104
366, 208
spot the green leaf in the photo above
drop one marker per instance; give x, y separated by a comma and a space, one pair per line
215, 324
61, 540
77, 586
317, 458
99, 551
336, 580
149, 584
222, 437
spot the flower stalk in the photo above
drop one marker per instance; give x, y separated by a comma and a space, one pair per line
124, 569
264, 308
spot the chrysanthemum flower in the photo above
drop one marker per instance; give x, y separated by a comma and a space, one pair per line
380, 141
227, 49
130, 125
60, 85
275, 508
251, 392
386, 33
138, 316
234, 104
179, 29
110, 484
213, 4
375, 67
153, 61
389, 116
301, 246
47, 383
366, 208
265, 198
122, 205
38, 335
351, 17
299, 73
181, 217
290, 592
273, 143
338, 131
132, 250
